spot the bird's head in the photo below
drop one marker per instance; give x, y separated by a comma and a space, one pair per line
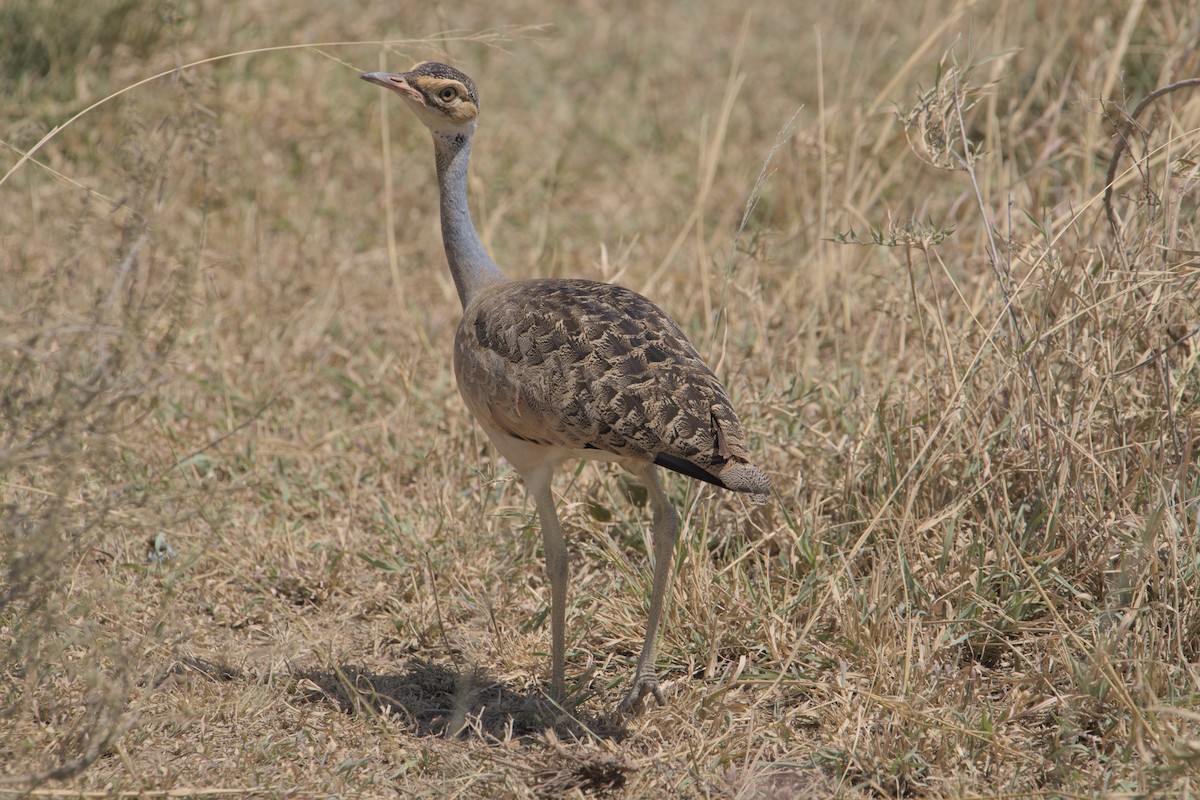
441, 96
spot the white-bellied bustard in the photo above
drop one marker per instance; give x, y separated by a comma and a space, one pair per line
560, 369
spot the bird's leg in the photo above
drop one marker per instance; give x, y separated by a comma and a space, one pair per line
665, 532
538, 482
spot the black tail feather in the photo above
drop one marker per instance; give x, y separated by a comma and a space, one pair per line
684, 467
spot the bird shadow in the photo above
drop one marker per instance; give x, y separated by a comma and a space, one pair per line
436, 700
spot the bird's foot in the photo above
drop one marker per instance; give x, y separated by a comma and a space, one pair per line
560, 696
635, 702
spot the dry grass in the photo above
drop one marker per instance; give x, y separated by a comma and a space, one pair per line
253, 545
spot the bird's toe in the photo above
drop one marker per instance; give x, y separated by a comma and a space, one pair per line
644, 687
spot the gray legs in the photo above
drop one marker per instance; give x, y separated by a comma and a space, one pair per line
665, 532
556, 568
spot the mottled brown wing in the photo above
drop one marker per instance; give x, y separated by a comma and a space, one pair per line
580, 364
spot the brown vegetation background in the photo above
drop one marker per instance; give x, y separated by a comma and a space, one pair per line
252, 544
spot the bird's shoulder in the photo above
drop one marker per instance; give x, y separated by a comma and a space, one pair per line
523, 320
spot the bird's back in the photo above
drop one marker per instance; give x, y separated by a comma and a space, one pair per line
583, 365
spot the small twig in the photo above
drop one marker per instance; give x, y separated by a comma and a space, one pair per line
270, 401
67, 179
96, 747
437, 608
1000, 266
1164, 369
1159, 352
1123, 144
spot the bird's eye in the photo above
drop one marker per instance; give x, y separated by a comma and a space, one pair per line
447, 94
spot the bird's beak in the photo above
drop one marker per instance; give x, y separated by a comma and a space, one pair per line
398, 83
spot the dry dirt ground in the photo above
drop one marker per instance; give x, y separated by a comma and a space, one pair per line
253, 545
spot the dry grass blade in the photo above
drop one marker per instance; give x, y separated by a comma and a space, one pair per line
1130, 122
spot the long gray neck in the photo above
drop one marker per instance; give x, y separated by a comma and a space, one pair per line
470, 264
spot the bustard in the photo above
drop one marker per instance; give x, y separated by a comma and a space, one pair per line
560, 369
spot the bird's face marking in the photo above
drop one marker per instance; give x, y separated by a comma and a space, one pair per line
442, 97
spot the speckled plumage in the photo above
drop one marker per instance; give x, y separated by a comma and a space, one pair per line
560, 369
584, 365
